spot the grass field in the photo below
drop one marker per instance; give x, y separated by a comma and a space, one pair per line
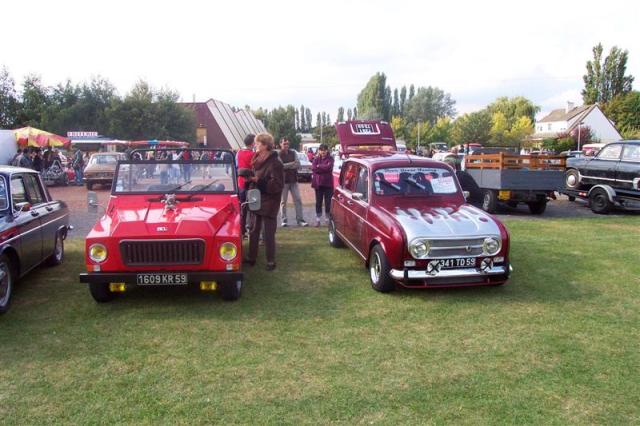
312, 343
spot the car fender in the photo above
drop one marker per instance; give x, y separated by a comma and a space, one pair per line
12, 253
611, 193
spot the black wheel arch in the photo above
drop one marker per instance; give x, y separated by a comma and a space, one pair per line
12, 254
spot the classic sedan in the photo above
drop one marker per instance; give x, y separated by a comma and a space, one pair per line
33, 228
407, 218
101, 168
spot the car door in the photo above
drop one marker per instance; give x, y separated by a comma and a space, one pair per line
341, 211
45, 210
28, 224
628, 172
360, 207
602, 169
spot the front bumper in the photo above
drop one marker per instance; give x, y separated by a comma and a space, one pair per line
497, 274
131, 278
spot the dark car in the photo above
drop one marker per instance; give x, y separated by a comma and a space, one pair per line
33, 227
611, 178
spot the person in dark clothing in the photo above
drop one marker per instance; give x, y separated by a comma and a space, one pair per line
322, 181
25, 161
291, 165
38, 162
269, 179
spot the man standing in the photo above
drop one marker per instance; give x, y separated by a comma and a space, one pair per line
78, 165
291, 164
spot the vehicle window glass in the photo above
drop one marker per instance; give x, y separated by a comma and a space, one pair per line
350, 176
4, 202
18, 193
631, 152
363, 183
610, 152
34, 191
414, 180
104, 159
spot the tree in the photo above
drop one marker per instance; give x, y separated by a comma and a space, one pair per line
340, 117
514, 108
624, 111
8, 100
605, 80
319, 120
281, 124
307, 117
386, 104
297, 120
355, 113
441, 132
399, 127
473, 127
505, 134
412, 92
35, 101
395, 108
303, 120
373, 98
429, 104
349, 114
328, 122
403, 100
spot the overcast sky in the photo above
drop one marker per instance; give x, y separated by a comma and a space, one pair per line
321, 53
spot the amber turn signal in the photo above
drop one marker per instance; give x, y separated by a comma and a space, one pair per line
208, 285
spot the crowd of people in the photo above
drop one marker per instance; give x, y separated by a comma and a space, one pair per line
50, 160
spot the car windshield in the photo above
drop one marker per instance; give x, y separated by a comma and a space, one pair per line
414, 180
104, 159
176, 172
4, 201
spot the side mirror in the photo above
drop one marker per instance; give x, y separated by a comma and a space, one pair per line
254, 199
466, 194
358, 196
92, 202
23, 207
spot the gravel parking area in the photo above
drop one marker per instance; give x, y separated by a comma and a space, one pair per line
83, 220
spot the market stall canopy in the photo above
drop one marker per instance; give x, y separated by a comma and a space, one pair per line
30, 136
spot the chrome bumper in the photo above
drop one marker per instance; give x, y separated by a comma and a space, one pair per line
416, 274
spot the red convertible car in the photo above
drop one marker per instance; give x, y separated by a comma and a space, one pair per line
173, 220
407, 218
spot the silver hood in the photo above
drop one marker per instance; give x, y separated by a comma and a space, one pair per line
445, 222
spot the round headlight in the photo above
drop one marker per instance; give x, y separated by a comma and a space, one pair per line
98, 253
491, 246
419, 249
228, 251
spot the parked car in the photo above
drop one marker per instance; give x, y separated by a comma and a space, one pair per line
101, 168
408, 219
304, 172
610, 179
33, 228
176, 224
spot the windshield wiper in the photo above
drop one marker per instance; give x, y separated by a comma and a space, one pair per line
415, 183
178, 187
203, 188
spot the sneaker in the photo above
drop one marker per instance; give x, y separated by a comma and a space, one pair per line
284, 224
317, 222
271, 266
303, 223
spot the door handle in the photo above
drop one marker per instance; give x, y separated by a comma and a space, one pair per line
49, 208
34, 213
349, 202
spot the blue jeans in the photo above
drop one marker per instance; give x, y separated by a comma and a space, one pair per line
78, 171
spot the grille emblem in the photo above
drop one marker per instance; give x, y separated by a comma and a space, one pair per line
468, 249
162, 229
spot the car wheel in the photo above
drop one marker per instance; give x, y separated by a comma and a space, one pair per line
537, 207
100, 292
230, 290
89, 186
599, 201
571, 198
6, 283
489, 201
572, 179
58, 252
379, 271
334, 240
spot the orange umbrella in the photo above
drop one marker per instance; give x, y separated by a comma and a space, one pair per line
30, 136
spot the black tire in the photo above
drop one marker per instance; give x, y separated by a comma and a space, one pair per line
89, 186
489, 201
571, 198
6, 283
334, 239
58, 252
230, 290
537, 207
100, 292
572, 179
379, 271
599, 201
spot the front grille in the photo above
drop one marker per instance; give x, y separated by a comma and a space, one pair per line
456, 248
162, 252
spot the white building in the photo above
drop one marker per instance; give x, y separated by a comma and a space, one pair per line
566, 120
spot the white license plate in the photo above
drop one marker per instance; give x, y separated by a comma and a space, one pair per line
161, 279
458, 262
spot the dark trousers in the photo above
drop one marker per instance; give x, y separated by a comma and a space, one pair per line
270, 226
323, 193
244, 210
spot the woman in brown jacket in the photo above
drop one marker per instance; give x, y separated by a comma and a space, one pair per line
269, 179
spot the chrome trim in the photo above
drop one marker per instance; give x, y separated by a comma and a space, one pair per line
32, 230
413, 274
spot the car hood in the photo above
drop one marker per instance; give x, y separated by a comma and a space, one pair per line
444, 222
152, 220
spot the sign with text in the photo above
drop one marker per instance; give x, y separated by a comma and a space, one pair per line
82, 134
365, 129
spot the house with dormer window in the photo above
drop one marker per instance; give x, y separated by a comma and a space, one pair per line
567, 120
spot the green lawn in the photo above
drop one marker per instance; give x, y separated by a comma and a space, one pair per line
312, 343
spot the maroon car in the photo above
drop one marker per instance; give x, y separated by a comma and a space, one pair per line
407, 218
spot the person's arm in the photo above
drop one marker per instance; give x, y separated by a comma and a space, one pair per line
295, 164
274, 183
322, 167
